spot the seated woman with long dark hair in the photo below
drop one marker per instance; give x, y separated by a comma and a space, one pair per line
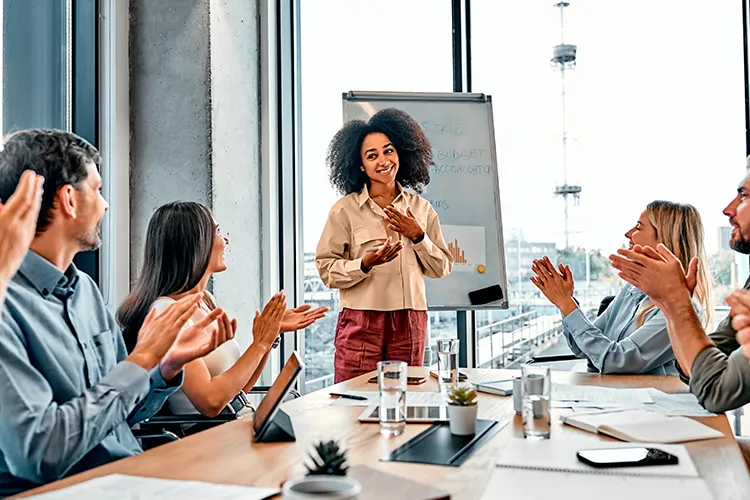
184, 247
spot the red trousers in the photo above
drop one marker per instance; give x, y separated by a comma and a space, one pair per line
365, 337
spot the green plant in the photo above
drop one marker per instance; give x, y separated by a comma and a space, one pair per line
462, 395
331, 460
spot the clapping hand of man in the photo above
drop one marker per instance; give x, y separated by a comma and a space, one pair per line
163, 342
18, 219
657, 273
739, 301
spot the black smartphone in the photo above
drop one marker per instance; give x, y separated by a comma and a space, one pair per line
409, 380
462, 377
626, 457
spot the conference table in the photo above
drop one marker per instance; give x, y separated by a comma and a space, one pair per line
227, 453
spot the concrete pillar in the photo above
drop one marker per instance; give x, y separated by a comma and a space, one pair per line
194, 120
235, 118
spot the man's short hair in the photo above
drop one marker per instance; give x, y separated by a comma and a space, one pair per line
60, 157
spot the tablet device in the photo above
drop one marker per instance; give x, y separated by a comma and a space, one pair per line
268, 408
424, 414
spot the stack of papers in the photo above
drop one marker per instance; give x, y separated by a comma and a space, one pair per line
589, 396
582, 398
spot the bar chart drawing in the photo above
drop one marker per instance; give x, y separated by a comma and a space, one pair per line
466, 246
459, 256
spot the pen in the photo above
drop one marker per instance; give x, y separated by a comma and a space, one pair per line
348, 396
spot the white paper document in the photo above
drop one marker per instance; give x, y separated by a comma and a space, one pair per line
560, 455
118, 486
466, 245
528, 484
685, 405
595, 394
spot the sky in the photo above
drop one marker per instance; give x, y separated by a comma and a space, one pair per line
654, 106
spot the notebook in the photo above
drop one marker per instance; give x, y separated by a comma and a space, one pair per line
498, 387
644, 426
560, 456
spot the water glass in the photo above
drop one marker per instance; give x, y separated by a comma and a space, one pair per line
392, 377
447, 363
536, 387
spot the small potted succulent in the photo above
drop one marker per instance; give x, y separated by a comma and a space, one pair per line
326, 477
462, 410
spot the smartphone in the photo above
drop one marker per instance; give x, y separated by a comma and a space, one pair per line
462, 377
409, 380
626, 457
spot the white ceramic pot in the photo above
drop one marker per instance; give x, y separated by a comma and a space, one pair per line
463, 419
321, 488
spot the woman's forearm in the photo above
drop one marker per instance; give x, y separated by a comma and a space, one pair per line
211, 394
258, 372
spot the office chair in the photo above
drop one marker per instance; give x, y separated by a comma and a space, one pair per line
606, 301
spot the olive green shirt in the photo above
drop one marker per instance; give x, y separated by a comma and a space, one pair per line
720, 375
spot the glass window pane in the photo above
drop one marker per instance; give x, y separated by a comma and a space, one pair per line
648, 115
35, 64
390, 45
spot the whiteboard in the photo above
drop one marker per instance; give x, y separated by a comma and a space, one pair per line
464, 187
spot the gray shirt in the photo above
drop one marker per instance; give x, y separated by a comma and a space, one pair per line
67, 398
720, 376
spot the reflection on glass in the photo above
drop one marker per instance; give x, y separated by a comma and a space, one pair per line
35, 65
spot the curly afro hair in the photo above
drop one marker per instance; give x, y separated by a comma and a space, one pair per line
414, 151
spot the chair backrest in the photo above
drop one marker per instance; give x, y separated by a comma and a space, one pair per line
606, 301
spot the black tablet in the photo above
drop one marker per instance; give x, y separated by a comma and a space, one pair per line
275, 396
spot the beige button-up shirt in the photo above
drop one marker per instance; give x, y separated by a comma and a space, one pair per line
356, 224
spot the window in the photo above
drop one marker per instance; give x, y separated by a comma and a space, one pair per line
644, 112
358, 45
36, 66
49, 73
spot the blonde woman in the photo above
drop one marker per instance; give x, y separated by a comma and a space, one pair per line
631, 336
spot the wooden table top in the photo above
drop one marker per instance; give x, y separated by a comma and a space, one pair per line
227, 453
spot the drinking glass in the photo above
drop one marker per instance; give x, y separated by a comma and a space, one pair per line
447, 350
536, 387
392, 377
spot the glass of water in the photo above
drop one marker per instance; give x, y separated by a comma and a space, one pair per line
447, 363
392, 377
536, 386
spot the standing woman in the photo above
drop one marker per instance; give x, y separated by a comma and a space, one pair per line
380, 242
